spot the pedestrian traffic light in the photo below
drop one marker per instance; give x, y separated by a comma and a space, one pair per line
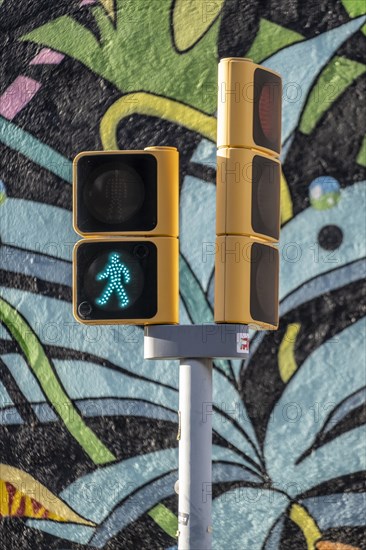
125, 204
248, 194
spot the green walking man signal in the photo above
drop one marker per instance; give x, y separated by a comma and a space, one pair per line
114, 272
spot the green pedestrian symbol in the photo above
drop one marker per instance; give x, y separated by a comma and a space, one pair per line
115, 271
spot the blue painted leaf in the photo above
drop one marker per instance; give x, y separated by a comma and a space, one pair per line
301, 412
249, 515
298, 77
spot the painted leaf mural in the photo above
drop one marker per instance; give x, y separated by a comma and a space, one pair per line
88, 449
16, 500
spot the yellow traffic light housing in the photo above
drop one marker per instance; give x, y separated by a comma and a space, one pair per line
249, 106
248, 194
126, 269
126, 281
126, 192
246, 282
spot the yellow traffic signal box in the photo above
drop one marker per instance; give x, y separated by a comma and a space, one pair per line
248, 194
126, 269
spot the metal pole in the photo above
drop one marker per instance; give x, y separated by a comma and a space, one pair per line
195, 454
195, 414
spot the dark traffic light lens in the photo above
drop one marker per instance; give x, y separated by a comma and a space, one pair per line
267, 110
264, 284
114, 193
266, 197
114, 281
267, 113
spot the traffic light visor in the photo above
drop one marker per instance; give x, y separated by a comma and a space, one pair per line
264, 284
266, 175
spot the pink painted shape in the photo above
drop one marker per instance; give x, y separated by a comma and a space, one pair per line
87, 2
47, 57
17, 96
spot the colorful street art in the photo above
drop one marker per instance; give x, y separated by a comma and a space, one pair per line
88, 449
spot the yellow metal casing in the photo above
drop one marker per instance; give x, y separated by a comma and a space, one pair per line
246, 282
248, 194
242, 105
167, 290
167, 159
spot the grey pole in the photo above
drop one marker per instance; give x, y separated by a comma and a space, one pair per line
195, 346
195, 449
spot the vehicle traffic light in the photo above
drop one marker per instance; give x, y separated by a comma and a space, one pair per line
248, 194
125, 204
249, 106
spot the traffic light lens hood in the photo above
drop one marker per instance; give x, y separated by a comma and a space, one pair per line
264, 284
266, 197
114, 193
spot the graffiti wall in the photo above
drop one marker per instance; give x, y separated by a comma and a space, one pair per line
88, 429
